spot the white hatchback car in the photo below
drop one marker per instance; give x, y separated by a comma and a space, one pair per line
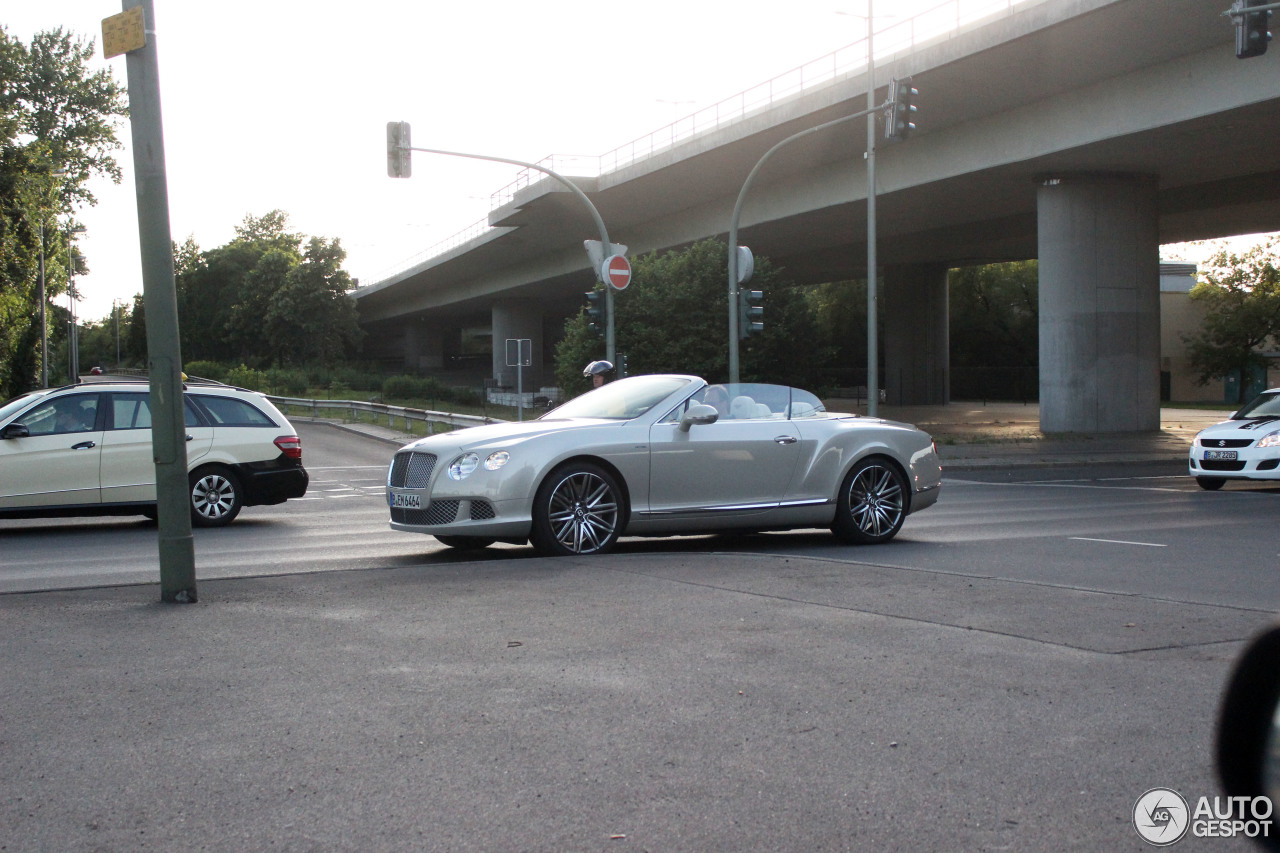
1246, 447
85, 449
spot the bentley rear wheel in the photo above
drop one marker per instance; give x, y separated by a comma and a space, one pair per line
872, 502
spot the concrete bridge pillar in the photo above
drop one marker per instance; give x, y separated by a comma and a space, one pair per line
916, 336
517, 318
1099, 254
423, 347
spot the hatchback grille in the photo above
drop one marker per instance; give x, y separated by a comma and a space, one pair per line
1225, 442
410, 470
1215, 465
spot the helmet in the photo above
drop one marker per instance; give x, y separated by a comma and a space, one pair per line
598, 368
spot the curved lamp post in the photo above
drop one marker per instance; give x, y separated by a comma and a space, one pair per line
576, 190
733, 229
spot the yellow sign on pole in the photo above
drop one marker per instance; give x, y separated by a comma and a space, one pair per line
123, 33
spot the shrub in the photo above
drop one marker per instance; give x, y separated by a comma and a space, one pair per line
289, 383
247, 377
402, 387
206, 370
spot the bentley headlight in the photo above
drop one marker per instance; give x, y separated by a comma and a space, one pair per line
461, 468
1271, 439
496, 460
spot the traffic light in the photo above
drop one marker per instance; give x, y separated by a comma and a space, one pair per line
622, 365
750, 312
595, 312
1251, 28
398, 153
901, 109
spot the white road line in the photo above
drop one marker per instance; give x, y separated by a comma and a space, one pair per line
1060, 484
1118, 542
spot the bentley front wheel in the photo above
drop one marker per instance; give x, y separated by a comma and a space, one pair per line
577, 510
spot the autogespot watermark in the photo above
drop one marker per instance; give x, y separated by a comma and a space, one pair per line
1162, 817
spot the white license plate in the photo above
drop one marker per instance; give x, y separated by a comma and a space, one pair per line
406, 501
1219, 456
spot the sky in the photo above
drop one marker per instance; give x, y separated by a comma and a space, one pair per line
283, 104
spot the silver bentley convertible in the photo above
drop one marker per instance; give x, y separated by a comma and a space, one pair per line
660, 455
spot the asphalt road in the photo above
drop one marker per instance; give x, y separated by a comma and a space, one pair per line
1022, 663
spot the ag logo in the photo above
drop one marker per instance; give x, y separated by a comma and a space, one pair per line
1161, 816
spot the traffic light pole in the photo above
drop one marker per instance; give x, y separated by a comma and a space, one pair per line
609, 342
168, 434
873, 321
734, 372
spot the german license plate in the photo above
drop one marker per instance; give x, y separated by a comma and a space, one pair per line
406, 500
1219, 456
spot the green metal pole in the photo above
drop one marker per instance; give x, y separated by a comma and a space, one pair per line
168, 432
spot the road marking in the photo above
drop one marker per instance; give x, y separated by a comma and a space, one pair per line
1119, 542
1061, 484
346, 467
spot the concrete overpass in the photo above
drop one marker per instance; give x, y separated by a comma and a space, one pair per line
1084, 133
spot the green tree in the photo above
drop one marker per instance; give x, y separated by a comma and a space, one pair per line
673, 318
1241, 296
839, 310
311, 318
995, 315
263, 299
58, 127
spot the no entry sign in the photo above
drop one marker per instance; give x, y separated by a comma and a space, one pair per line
616, 272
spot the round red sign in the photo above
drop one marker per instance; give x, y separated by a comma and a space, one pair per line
616, 272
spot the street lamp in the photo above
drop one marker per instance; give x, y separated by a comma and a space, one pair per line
870, 113
398, 166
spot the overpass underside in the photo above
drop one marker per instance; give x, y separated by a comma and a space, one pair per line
1084, 133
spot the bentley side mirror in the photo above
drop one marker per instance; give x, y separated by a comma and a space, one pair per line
1249, 726
699, 415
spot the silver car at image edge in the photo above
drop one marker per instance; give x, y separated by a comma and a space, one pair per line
1245, 447
660, 455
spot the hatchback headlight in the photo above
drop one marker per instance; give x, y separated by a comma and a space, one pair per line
496, 460
1271, 439
461, 468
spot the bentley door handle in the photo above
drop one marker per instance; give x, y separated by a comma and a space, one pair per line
785, 439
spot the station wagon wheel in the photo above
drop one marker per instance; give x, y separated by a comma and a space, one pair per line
215, 497
577, 511
872, 502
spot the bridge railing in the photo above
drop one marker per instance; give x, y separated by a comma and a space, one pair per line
933, 22
381, 411
942, 18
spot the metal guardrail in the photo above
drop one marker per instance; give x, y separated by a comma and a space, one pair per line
391, 413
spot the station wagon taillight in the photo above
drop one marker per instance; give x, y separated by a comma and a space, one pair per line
290, 445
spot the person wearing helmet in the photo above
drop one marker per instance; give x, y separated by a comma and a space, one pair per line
598, 371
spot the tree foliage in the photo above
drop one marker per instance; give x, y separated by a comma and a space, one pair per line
265, 298
673, 318
1241, 297
58, 127
995, 315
